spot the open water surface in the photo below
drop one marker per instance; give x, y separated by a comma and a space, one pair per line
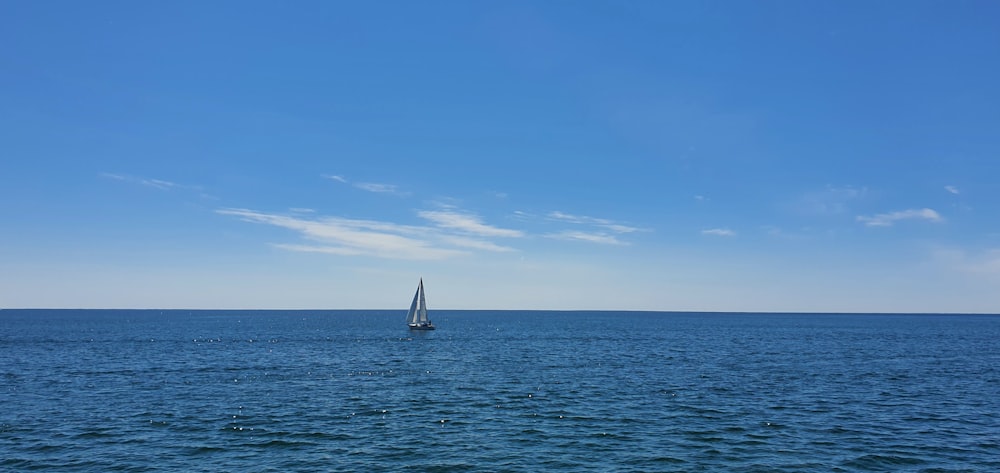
289, 391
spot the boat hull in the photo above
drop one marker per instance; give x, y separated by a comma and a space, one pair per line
421, 327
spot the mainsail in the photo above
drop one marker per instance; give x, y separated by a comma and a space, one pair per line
422, 312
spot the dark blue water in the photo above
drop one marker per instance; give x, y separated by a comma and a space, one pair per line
497, 391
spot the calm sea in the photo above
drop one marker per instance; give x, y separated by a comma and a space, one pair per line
283, 391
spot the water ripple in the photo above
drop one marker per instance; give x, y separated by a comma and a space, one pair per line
616, 392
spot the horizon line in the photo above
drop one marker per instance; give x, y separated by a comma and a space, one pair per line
730, 312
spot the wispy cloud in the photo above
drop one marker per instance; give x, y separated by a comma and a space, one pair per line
160, 184
330, 250
952, 189
888, 219
378, 188
601, 238
154, 183
584, 220
352, 237
375, 187
522, 215
474, 244
569, 218
723, 232
466, 223
335, 178
596, 230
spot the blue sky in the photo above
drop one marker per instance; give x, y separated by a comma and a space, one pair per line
731, 156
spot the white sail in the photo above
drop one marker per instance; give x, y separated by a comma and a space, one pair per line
411, 315
423, 303
416, 317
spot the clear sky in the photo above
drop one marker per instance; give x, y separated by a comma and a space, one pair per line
650, 155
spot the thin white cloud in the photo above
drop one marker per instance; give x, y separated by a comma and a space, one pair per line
952, 189
723, 232
154, 183
522, 215
587, 237
620, 228
352, 237
449, 232
301, 210
367, 186
466, 223
335, 178
349, 237
594, 230
425, 253
585, 220
569, 218
472, 243
888, 219
378, 188
331, 250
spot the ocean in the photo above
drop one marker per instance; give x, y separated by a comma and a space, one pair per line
497, 391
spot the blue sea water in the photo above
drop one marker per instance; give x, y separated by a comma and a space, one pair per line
285, 391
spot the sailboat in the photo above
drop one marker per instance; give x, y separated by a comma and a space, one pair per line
416, 317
